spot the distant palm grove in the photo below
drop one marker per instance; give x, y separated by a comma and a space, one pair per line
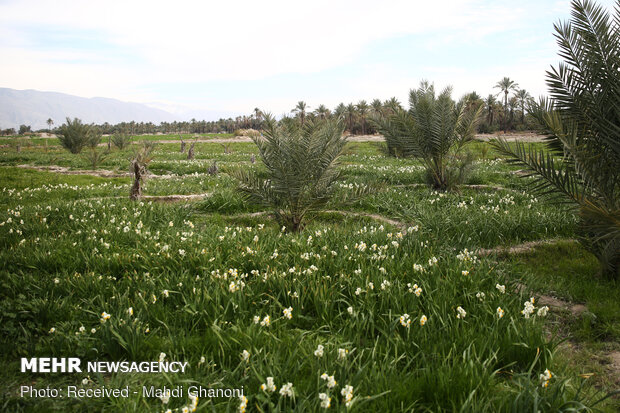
506, 110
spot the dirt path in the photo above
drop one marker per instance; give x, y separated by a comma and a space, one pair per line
154, 198
609, 358
527, 137
103, 173
483, 187
398, 224
518, 249
510, 137
524, 137
352, 138
552, 302
175, 198
66, 171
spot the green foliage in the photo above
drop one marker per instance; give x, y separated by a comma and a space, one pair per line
75, 135
23, 129
582, 158
95, 157
567, 269
301, 168
94, 138
480, 363
121, 139
434, 130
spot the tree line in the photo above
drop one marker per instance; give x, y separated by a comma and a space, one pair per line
506, 110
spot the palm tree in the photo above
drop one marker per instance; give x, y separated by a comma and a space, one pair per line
300, 109
75, 135
362, 110
50, 122
433, 130
581, 162
490, 103
301, 169
377, 106
472, 100
340, 110
505, 86
473, 96
322, 112
350, 114
141, 159
524, 98
513, 103
392, 104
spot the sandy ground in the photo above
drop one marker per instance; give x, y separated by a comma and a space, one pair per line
523, 137
511, 137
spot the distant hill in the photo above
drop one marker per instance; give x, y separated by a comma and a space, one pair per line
32, 107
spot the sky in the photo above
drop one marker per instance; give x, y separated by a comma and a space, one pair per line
234, 56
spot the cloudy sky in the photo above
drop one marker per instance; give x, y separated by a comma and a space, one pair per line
237, 55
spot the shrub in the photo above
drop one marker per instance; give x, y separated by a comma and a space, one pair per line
95, 157
301, 169
121, 139
434, 130
94, 138
582, 159
74, 135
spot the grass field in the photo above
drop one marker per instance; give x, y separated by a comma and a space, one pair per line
383, 304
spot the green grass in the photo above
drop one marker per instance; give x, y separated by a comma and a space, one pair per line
569, 272
196, 275
30, 141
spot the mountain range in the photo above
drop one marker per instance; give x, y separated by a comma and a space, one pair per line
34, 108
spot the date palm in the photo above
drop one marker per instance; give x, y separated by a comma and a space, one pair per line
524, 99
301, 169
138, 167
434, 130
362, 110
121, 139
393, 104
505, 86
490, 103
75, 135
376, 107
300, 110
350, 112
340, 110
322, 112
581, 163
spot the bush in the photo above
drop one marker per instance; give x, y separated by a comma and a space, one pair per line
301, 163
581, 162
94, 139
95, 157
434, 130
121, 139
74, 135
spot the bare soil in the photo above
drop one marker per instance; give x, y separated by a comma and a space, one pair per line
66, 171
512, 136
518, 249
